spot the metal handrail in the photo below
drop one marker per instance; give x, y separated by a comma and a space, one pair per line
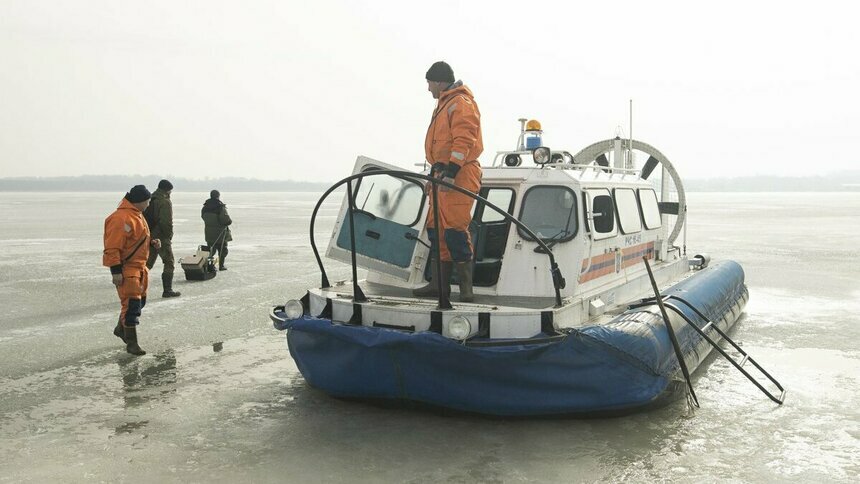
605, 169
357, 294
558, 280
565, 166
746, 357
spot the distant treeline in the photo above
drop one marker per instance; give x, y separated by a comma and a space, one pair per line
106, 183
842, 181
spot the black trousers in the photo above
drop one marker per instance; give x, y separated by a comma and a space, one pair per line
221, 249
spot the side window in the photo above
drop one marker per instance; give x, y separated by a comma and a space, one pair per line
500, 197
602, 213
627, 209
390, 198
650, 208
549, 212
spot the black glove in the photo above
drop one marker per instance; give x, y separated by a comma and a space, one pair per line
437, 168
450, 170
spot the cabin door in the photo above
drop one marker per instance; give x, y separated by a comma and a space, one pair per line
388, 216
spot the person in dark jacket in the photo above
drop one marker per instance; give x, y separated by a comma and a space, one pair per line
217, 222
159, 216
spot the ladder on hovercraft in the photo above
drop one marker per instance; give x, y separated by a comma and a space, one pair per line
739, 365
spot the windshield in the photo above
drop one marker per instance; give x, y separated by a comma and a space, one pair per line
550, 212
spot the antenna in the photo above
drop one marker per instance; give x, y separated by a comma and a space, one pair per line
630, 146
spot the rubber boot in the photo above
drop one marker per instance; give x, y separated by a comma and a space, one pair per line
167, 282
464, 271
447, 267
118, 332
431, 289
131, 345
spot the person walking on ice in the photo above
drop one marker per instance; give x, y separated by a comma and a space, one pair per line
217, 226
127, 245
159, 216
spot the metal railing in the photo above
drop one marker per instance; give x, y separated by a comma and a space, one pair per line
444, 300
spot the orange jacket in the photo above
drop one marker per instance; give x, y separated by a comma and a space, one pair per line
124, 230
454, 135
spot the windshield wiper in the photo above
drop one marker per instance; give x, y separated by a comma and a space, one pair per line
550, 242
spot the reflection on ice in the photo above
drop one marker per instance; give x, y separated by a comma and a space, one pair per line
144, 379
131, 427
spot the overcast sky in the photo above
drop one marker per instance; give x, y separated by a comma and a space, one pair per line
297, 89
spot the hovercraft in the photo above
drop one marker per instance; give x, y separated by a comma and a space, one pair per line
568, 249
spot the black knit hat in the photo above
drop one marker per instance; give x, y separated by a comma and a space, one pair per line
137, 194
440, 72
165, 185
215, 194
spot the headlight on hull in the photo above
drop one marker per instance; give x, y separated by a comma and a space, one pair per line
293, 309
459, 328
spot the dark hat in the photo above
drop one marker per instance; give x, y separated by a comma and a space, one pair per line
215, 194
440, 72
165, 185
137, 194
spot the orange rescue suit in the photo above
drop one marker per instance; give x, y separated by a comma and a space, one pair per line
126, 240
454, 142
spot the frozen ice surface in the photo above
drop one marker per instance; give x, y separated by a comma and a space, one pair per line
219, 399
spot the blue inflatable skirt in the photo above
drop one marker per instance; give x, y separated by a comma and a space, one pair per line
625, 365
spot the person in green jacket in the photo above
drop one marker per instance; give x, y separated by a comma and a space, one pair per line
217, 221
159, 216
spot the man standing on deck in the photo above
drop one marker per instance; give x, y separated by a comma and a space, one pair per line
127, 243
159, 216
452, 146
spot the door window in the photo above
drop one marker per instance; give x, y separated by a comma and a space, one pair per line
500, 197
602, 210
394, 199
